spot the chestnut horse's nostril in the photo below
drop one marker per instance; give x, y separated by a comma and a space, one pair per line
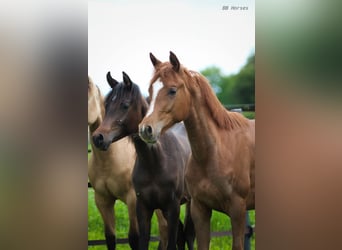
148, 130
98, 140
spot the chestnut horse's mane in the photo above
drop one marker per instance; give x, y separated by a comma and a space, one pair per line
222, 117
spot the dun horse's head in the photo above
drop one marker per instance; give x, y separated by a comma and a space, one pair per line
94, 102
170, 98
124, 109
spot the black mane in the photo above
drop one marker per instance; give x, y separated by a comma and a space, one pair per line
126, 93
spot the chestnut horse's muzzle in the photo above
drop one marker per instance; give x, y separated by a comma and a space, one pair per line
146, 133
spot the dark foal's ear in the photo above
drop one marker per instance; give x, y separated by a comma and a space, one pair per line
112, 82
174, 61
127, 80
154, 60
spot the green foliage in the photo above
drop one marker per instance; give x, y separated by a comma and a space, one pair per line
233, 89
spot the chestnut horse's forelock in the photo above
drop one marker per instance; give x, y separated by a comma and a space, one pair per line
192, 80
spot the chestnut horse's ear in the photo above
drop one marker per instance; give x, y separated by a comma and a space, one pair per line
154, 60
112, 82
127, 80
174, 61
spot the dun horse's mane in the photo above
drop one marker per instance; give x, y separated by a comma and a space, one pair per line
101, 101
222, 117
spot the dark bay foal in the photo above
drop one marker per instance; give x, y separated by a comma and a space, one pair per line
158, 174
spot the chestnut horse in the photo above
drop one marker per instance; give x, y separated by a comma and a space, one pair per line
158, 175
220, 174
110, 175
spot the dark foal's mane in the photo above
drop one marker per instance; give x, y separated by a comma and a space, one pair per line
119, 92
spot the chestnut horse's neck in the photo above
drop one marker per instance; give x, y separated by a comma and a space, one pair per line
208, 120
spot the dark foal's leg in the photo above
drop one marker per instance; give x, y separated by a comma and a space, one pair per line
106, 207
180, 236
189, 228
144, 216
162, 224
172, 217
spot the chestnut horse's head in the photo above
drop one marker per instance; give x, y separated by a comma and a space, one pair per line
124, 109
170, 98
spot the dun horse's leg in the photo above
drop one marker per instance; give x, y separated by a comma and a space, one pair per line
162, 224
238, 220
189, 229
172, 217
106, 208
144, 216
133, 234
201, 215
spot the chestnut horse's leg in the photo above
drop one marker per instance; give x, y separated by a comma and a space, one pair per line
162, 225
238, 220
144, 215
201, 215
106, 207
172, 217
189, 229
133, 234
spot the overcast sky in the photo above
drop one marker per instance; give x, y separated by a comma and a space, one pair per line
201, 33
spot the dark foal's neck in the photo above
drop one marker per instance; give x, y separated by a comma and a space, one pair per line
148, 154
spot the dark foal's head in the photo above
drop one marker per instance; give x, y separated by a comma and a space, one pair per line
125, 107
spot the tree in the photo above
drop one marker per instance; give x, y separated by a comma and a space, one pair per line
233, 89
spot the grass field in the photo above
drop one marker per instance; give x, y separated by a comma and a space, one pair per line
219, 222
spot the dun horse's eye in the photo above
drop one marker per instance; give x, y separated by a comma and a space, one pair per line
172, 91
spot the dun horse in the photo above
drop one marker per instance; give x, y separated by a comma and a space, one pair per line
220, 174
158, 175
110, 175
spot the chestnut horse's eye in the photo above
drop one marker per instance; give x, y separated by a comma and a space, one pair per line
172, 91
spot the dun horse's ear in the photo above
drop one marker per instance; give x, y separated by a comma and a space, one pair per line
127, 80
112, 82
154, 60
174, 61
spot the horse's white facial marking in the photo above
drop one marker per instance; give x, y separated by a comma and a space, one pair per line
157, 86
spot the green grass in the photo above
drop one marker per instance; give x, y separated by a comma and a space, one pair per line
219, 222
249, 114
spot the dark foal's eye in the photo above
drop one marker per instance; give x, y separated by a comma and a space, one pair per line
172, 91
125, 105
